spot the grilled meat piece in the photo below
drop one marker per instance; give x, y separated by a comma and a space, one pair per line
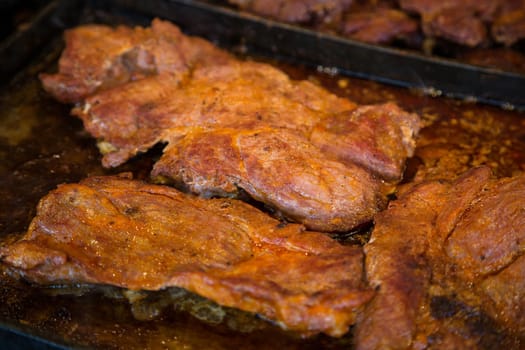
125, 233
134, 116
247, 96
501, 58
297, 11
447, 266
322, 194
97, 57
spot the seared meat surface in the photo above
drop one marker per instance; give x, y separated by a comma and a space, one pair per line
446, 259
339, 152
97, 57
379, 25
324, 195
467, 22
125, 233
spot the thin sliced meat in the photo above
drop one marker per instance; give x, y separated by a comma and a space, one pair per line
125, 233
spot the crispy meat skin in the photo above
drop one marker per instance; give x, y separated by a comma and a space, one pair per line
443, 260
110, 230
323, 194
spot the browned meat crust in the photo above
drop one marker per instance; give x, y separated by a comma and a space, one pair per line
297, 116
443, 259
466, 22
125, 233
97, 57
326, 195
378, 138
134, 116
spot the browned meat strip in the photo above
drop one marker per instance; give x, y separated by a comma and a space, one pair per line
296, 11
442, 260
97, 57
322, 194
379, 26
397, 268
482, 242
125, 233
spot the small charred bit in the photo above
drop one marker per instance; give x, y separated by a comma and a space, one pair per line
445, 307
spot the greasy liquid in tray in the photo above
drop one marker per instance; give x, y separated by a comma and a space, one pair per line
42, 146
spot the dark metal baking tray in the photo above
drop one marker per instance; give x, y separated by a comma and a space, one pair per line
69, 155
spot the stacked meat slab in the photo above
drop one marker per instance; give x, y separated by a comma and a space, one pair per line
233, 125
441, 268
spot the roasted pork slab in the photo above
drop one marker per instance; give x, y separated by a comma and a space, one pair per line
323, 194
207, 90
447, 260
125, 233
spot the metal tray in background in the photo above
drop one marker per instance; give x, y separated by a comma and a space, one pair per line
333, 54
329, 53
48, 147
